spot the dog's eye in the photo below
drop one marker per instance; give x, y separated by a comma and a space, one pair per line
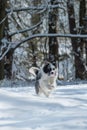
53, 68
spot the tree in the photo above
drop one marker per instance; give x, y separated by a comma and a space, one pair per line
83, 30
3, 4
53, 43
79, 65
34, 20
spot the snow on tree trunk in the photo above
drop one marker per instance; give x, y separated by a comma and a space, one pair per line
53, 43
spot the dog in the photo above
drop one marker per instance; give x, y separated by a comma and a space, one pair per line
46, 77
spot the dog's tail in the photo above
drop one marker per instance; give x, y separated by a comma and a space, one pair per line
34, 71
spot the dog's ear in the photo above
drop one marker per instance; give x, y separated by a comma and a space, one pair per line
34, 71
53, 63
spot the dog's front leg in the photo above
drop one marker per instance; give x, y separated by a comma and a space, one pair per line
38, 88
45, 91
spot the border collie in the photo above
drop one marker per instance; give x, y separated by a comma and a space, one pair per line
46, 77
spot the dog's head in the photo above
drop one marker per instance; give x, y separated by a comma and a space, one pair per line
49, 69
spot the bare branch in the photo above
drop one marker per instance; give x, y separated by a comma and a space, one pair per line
35, 8
53, 35
48, 35
3, 20
13, 46
25, 30
4, 54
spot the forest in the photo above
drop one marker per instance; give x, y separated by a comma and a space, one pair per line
32, 31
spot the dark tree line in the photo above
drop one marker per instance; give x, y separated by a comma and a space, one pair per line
3, 4
79, 41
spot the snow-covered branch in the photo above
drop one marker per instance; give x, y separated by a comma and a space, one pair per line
35, 8
3, 19
25, 30
50, 35
13, 46
53, 35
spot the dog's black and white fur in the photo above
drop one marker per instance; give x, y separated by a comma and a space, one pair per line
46, 77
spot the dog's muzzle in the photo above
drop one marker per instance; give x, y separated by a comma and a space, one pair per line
52, 74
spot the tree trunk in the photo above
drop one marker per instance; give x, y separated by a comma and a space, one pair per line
9, 57
83, 26
79, 65
53, 43
2, 27
34, 20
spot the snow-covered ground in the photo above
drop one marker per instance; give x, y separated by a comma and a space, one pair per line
65, 109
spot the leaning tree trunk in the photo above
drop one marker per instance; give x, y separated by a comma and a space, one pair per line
53, 43
79, 65
2, 27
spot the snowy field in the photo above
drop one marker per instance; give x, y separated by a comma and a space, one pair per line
65, 109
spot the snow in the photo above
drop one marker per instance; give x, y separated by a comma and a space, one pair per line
65, 109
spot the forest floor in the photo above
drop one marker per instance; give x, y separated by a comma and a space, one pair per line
22, 109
